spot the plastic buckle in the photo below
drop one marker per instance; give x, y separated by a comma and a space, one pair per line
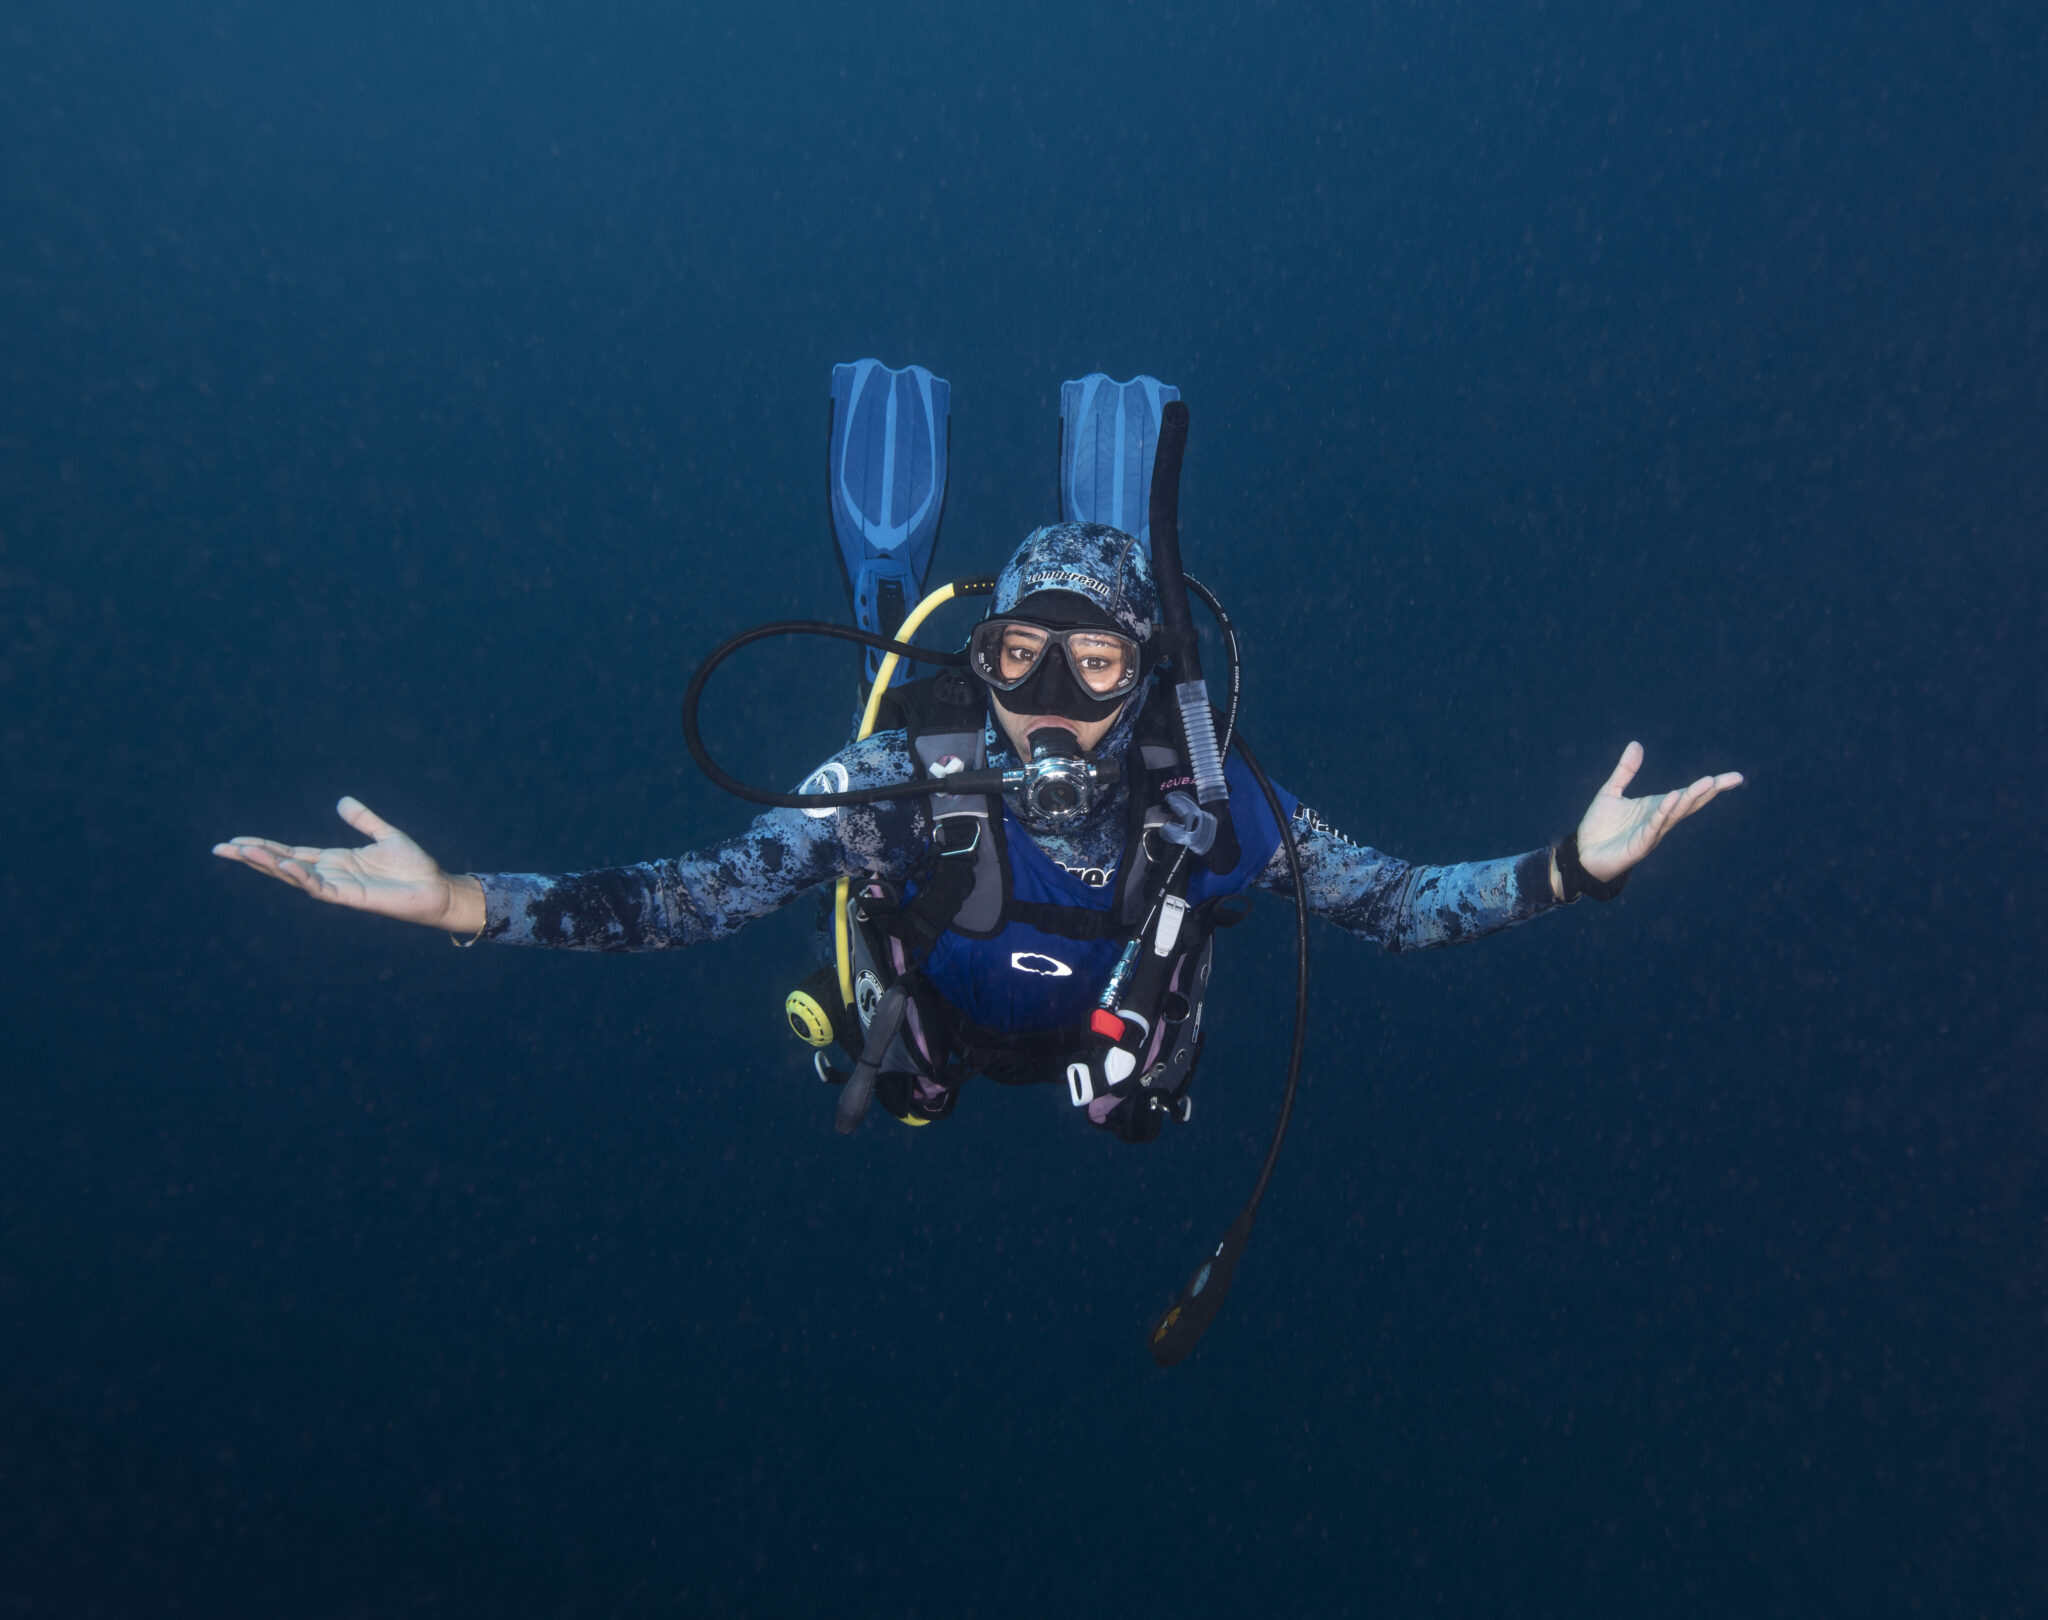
1172, 913
1080, 1084
1105, 1023
949, 851
1189, 824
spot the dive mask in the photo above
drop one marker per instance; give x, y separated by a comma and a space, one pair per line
1078, 673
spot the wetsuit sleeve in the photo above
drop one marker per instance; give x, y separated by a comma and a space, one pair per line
1407, 907
660, 905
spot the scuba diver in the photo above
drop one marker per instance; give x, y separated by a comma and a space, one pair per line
1034, 846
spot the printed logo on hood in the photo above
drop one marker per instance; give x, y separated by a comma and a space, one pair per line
1065, 579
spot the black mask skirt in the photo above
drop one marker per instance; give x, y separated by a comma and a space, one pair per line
1052, 687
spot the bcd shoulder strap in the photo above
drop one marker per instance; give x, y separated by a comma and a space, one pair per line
1156, 754
967, 888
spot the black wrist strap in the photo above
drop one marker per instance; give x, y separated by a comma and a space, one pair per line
1577, 880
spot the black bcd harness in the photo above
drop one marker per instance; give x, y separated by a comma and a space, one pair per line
963, 886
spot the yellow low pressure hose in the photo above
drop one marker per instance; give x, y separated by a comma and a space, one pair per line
842, 941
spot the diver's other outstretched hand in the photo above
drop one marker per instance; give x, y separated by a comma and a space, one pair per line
1616, 831
392, 876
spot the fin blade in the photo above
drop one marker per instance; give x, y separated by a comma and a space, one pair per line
886, 473
1109, 435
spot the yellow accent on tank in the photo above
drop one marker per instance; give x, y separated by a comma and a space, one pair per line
807, 1019
842, 943
842, 946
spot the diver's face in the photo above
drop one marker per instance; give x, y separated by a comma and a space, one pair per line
1017, 727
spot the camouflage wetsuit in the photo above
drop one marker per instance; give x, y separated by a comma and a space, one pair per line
711, 893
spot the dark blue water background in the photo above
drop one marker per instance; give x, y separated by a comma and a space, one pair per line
399, 399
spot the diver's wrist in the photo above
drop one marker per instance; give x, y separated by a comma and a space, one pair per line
463, 911
1570, 878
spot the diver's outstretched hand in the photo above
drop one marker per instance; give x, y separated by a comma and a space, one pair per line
392, 876
1616, 832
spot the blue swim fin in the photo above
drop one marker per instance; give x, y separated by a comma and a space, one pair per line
887, 475
1109, 433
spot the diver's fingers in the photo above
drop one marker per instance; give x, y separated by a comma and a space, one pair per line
308, 880
1675, 807
1670, 811
365, 820
264, 853
235, 848
1701, 793
305, 853
254, 854
1678, 803
283, 868
1624, 771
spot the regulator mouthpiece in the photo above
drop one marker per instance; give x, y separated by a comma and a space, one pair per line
1059, 786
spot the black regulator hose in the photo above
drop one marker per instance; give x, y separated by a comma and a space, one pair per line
1177, 1329
1190, 691
693, 697
1163, 516
1235, 664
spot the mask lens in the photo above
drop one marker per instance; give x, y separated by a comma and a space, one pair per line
1018, 652
1104, 663
1005, 652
